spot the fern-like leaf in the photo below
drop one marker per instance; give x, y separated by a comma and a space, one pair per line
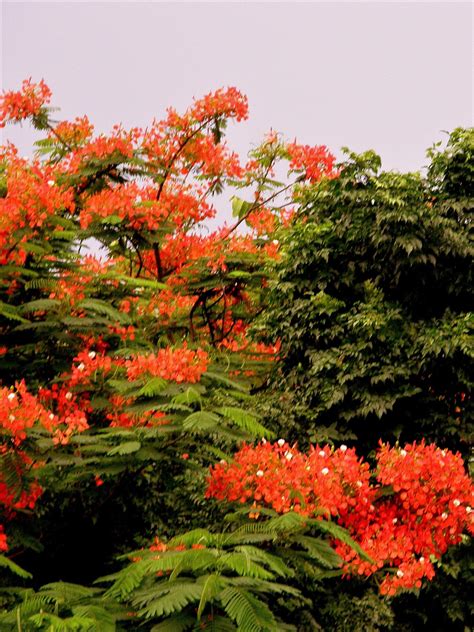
249, 612
5, 562
245, 420
179, 595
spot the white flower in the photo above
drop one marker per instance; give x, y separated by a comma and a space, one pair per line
11, 396
260, 473
359, 483
276, 242
281, 442
403, 452
394, 521
264, 441
12, 417
68, 395
456, 502
51, 416
288, 456
343, 448
468, 509
422, 560
51, 183
91, 354
400, 573
325, 471
81, 367
444, 516
322, 453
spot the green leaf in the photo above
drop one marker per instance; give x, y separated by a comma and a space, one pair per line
41, 305
320, 550
250, 614
245, 420
201, 421
240, 207
212, 586
5, 562
102, 307
125, 448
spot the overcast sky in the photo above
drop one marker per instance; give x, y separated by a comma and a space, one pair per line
383, 75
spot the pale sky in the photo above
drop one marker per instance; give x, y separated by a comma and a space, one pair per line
383, 75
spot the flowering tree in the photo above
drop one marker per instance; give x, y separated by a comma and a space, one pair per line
125, 373
419, 506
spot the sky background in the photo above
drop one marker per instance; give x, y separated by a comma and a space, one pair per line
389, 76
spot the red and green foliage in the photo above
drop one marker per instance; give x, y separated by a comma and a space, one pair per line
127, 367
405, 515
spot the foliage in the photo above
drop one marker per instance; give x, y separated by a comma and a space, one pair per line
229, 579
124, 374
372, 303
405, 515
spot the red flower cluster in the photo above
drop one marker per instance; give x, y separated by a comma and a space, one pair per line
214, 158
3, 540
32, 197
72, 132
67, 414
15, 499
120, 144
87, 365
313, 162
119, 418
19, 105
72, 286
141, 209
228, 102
177, 365
19, 410
418, 507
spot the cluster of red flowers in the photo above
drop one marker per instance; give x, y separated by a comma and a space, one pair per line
16, 499
214, 158
314, 162
73, 285
418, 507
119, 418
31, 198
177, 365
229, 102
119, 143
21, 104
3, 540
20, 411
88, 364
72, 132
263, 221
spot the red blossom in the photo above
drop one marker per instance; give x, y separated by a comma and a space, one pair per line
177, 365
314, 162
21, 104
425, 508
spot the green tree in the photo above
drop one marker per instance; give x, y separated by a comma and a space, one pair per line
372, 301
